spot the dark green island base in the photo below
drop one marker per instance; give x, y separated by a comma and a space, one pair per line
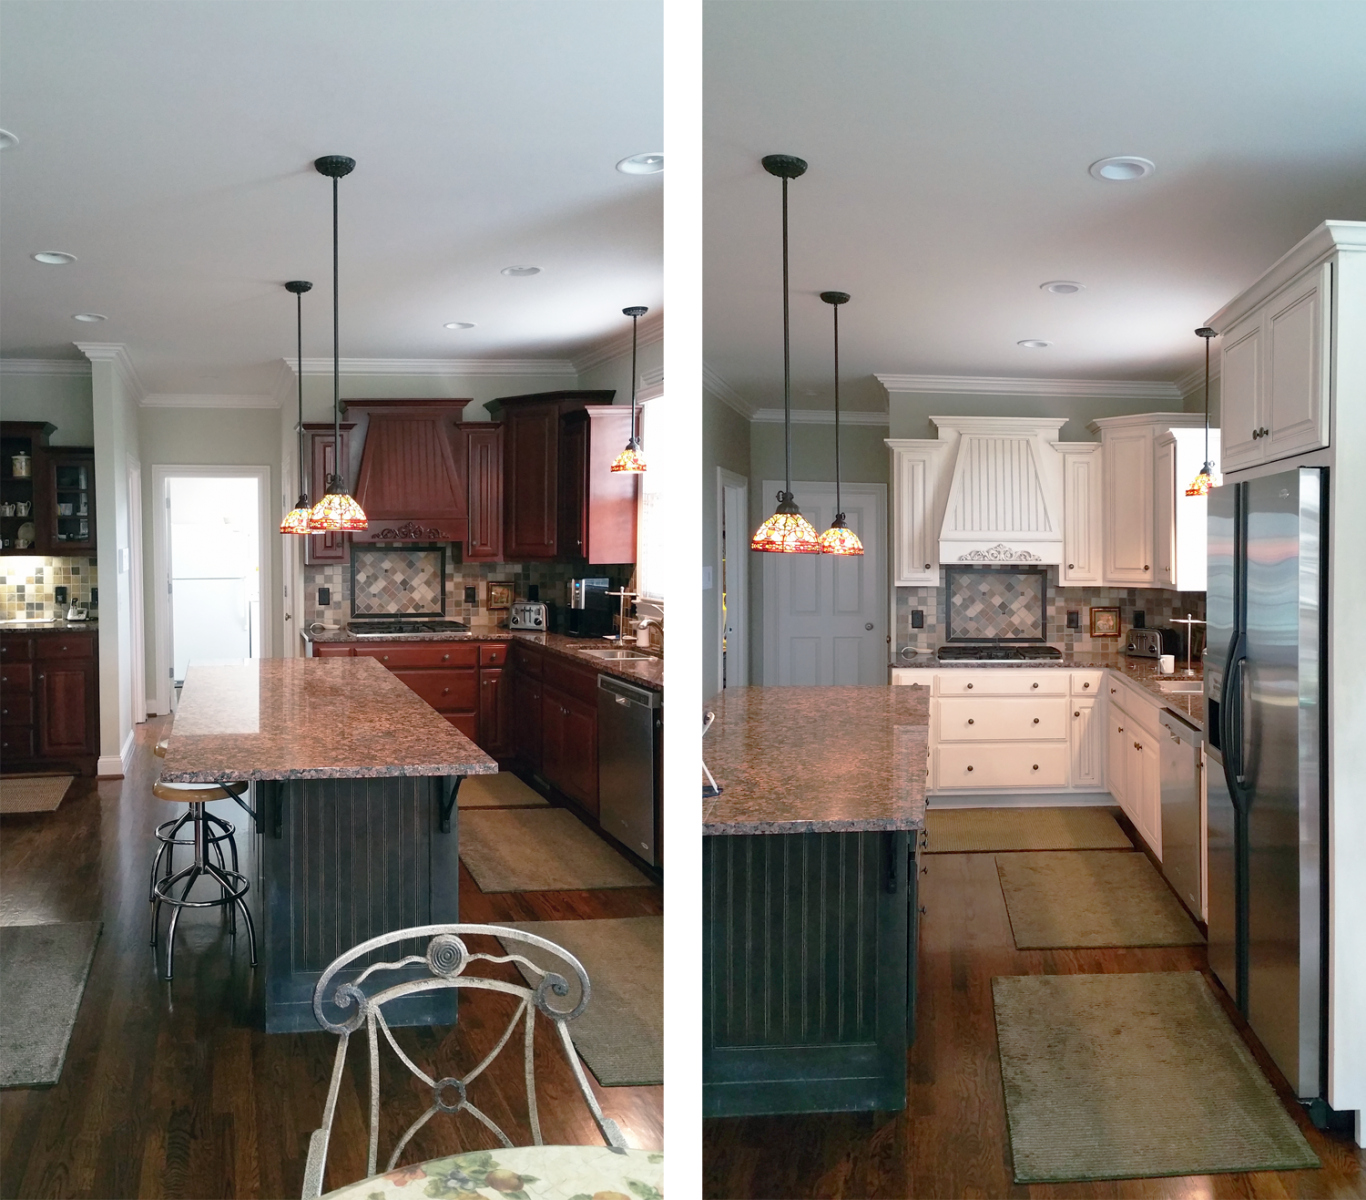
810, 911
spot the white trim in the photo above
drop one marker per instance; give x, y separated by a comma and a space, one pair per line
725, 479
161, 537
136, 598
821, 416
194, 400
444, 368
728, 396
650, 330
1169, 420
44, 366
1108, 389
115, 766
116, 353
1194, 379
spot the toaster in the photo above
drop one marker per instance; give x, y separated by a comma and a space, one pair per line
528, 614
1152, 643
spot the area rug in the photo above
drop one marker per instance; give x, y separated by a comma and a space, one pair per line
621, 1033
539, 850
33, 793
1133, 1075
1074, 898
44, 969
503, 790
983, 830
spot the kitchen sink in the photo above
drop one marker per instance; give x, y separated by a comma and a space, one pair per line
618, 655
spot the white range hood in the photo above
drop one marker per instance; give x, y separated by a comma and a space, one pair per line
1005, 499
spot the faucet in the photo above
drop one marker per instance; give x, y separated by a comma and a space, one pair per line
621, 623
643, 629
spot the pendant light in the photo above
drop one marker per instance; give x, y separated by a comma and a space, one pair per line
786, 531
1202, 483
296, 520
336, 510
839, 538
631, 459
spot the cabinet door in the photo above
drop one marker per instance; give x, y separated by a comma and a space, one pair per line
493, 724
524, 716
531, 464
1129, 505
1164, 513
1240, 385
66, 708
1295, 411
69, 518
573, 492
333, 547
1088, 745
1117, 759
484, 458
915, 537
1000, 719
1082, 521
581, 754
1143, 787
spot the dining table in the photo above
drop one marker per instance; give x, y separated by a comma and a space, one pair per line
520, 1173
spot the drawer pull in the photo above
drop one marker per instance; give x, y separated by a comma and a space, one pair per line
384, 658
927, 566
969, 687
1036, 720
1034, 685
445, 691
1138, 746
1085, 686
1112, 691
971, 721
1036, 766
445, 658
1077, 713
1121, 729
969, 768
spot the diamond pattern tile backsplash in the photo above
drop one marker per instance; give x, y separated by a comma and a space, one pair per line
399, 581
995, 604
28, 583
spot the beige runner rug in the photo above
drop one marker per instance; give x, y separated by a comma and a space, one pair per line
1133, 1075
1076, 898
503, 790
981, 830
33, 793
539, 850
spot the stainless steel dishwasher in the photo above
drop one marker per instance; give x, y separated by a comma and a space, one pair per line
627, 719
1180, 773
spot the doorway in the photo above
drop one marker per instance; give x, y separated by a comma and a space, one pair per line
212, 570
732, 574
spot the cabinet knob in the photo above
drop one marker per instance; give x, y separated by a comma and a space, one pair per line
63, 649
445, 691
1085, 686
1112, 691
384, 658
969, 768
971, 721
1145, 566
1036, 766
1070, 567
1121, 729
969, 687
1034, 685
1077, 713
1036, 720
445, 658
927, 566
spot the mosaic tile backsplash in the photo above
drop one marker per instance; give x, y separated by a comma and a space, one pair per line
28, 585
1158, 606
393, 581
996, 604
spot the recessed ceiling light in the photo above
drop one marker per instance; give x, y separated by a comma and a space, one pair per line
1034, 344
54, 258
519, 271
7, 139
642, 164
89, 317
1122, 168
458, 325
1062, 287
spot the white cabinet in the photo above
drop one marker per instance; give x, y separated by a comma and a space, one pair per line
1275, 374
1083, 514
1132, 762
916, 510
1087, 739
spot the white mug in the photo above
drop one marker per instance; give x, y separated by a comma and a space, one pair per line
1167, 664
22, 508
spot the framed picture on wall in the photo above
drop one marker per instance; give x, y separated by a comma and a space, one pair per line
500, 596
1105, 622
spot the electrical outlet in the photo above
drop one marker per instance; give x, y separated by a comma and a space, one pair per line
471, 595
917, 618
324, 597
1073, 618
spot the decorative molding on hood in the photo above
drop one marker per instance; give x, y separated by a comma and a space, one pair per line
993, 385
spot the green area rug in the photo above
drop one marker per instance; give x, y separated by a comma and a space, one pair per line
43, 969
621, 1033
983, 830
1075, 898
539, 850
1134, 1075
503, 790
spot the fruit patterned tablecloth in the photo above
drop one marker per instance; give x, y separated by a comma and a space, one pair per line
521, 1173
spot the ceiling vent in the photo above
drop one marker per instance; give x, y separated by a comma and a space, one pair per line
1005, 499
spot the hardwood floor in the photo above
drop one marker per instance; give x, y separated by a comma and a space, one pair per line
175, 1090
952, 1140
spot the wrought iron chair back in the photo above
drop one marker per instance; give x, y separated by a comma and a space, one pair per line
448, 961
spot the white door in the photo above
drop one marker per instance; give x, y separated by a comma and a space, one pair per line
732, 573
825, 616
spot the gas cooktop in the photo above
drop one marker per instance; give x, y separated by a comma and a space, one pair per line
390, 627
995, 653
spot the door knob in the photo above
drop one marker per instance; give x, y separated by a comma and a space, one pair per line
868, 625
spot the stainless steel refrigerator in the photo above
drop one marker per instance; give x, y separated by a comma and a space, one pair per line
1265, 701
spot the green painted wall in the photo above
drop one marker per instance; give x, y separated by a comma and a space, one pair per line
65, 400
479, 388
725, 443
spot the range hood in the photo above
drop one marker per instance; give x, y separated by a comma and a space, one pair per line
411, 482
1005, 499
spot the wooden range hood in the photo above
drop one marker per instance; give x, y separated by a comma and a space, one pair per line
411, 482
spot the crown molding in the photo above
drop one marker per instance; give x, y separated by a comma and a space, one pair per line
445, 368
44, 366
820, 416
650, 330
728, 396
991, 385
117, 354
198, 400
1192, 379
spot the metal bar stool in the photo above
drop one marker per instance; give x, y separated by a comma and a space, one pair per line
167, 833
233, 885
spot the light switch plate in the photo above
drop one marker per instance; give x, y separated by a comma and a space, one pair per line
706, 579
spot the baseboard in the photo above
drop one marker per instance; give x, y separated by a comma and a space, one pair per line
150, 708
1005, 799
112, 766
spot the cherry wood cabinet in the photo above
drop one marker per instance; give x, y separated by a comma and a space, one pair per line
68, 502
483, 452
54, 504
525, 702
597, 505
49, 700
331, 547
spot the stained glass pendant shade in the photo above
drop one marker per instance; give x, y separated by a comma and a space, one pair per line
839, 538
1202, 483
337, 510
632, 460
786, 531
296, 520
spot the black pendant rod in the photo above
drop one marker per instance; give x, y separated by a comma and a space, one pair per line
835, 299
1206, 332
299, 287
335, 166
787, 356
635, 312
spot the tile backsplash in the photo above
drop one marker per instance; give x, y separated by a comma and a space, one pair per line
28, 585
397, 581
995, 604
1158, 606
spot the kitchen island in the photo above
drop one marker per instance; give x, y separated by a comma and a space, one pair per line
810, 919
355, 784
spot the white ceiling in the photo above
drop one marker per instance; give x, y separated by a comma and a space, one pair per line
169, 146
948, 146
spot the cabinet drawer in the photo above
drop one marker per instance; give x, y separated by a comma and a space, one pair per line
445, 691
16, 708
66, 645
573, 681
332, 650
466, 722
15, 649
493, 654
1000, 719
1088, 683
527, 659
431, 654
17, 677
16, 742
976, 682
996, 765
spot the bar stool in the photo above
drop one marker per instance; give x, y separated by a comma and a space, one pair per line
167, 832
233, 885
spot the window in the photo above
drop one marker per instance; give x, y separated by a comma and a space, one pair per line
649, 526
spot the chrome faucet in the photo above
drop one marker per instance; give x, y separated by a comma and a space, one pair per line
621, 622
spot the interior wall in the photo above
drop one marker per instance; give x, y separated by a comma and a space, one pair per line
65, 400
725, 443
479, 388
615, 373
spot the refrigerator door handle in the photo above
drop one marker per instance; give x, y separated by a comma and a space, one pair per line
1233, 716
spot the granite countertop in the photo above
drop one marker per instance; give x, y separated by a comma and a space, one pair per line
1142, 672
648, 673
310, 718
817, 759
42, 625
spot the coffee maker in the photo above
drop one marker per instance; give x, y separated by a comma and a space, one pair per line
591, 609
